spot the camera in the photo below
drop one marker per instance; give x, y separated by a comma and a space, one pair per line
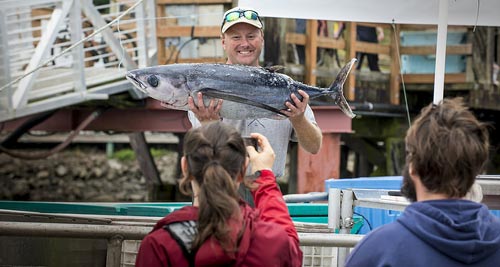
249, 141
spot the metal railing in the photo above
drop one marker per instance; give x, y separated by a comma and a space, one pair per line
121, 235
34, 32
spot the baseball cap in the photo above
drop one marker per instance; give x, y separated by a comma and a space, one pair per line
240, 15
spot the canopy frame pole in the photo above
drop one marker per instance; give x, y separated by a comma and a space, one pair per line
441, 51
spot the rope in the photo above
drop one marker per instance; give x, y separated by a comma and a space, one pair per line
477, 15
400, 73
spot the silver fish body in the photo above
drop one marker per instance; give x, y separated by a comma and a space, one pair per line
247, 92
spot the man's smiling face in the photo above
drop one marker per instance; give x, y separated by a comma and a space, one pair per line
243, 44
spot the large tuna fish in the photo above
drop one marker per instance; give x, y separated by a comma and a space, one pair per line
248, 92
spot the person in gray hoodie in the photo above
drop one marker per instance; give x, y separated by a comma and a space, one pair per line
447, 147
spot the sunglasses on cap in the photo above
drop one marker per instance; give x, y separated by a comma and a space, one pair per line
235, 15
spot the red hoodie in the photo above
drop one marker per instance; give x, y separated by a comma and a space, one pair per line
269, 237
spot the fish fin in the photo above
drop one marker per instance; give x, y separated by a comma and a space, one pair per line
274, 68
344, 72
338, 86
234, 98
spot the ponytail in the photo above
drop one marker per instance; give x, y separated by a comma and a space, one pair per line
218, 202
215, 155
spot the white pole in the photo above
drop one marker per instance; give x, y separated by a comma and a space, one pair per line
333, 208
441, 51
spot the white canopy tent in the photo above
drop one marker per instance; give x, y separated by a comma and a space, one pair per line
437, 12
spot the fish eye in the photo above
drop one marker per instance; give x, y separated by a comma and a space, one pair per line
153, 80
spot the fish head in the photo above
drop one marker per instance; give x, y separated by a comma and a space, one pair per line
169, 87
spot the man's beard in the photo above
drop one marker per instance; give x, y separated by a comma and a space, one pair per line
408, 187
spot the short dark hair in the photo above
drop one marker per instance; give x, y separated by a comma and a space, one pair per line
448, 147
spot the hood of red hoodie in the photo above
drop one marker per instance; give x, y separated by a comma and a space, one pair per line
211, 253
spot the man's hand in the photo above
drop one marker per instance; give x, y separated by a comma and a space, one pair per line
203, 113
308, 134
299, 107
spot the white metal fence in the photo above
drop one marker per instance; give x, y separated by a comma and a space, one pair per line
33, 32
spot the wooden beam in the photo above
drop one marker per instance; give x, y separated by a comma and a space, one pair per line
350, 39
365, 47
465, 49
164, 31
154, 117
160, 43
295, 38
323, 42
328, 42
145, 159
395, 79
311, 51
272, 53
429, 78
192, 2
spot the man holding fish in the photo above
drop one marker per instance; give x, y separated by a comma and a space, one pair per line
242, 40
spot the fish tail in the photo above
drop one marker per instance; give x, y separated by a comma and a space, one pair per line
337, 88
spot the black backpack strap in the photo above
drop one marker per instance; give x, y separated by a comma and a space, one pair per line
184, 233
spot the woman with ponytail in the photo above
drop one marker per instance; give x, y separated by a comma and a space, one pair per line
220, 229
